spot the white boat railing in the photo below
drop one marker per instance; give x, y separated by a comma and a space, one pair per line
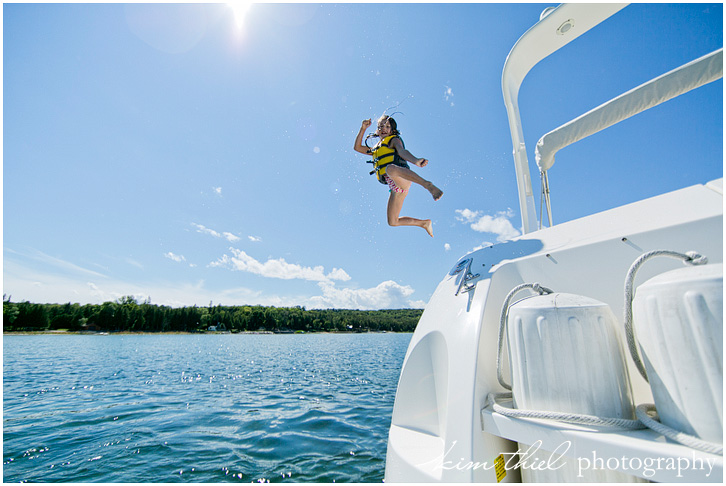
685, 78
556, 28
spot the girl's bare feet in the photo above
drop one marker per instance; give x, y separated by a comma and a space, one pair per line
428, 227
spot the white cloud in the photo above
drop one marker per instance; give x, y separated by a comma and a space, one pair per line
135, 263
208, 231
498, 224
277, 268
24, 283
467, 215
386, 295
204, 230
47, 260
254, 239
217, 190
447, 247
176, 258
338, 274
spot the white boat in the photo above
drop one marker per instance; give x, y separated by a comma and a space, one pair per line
590, 321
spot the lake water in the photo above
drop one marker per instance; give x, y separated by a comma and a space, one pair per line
198, 408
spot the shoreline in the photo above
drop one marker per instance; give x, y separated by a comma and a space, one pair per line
62, 332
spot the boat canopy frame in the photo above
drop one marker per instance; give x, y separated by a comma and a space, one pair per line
683, 79
558, 27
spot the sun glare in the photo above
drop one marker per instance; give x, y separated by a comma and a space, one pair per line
240, 10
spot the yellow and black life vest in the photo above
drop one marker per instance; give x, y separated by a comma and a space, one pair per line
383, 155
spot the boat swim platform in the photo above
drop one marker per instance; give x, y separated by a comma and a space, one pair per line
603, 447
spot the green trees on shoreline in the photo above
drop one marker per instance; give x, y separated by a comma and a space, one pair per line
128, 315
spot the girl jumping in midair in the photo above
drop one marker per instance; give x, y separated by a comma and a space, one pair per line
389, 164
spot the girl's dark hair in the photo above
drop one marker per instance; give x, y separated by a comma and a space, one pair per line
394, 129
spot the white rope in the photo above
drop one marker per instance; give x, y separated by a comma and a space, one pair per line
689, 258
573, 418
642, 412
503, 324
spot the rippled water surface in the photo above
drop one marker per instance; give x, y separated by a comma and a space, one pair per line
198, 408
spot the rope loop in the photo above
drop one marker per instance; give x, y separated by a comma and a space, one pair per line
695, 258
689, 258
541, 290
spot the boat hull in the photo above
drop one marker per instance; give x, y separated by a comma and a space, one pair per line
590, 257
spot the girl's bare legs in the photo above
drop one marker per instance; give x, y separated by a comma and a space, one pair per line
395, 203
400, 174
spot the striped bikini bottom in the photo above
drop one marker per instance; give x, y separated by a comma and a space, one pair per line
392, 185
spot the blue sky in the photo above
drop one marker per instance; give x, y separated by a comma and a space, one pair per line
175, 153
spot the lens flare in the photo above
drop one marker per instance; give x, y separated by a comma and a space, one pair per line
240, 10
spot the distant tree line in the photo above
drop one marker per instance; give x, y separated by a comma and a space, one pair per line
128, 315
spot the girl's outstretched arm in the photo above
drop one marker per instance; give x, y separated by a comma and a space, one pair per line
406, 155
358, 145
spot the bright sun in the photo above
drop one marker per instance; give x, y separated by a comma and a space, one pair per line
240, 10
